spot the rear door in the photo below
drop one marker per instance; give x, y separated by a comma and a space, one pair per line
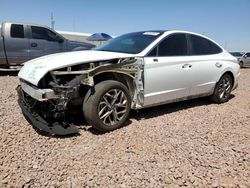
44, 41
16, 43
206, 64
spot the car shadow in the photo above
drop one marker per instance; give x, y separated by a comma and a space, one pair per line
97, 132
8, 72
49, 135
81, 124
156, 111
151, 112
146, 113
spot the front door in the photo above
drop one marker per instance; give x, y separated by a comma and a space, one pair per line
43, 42
167, 71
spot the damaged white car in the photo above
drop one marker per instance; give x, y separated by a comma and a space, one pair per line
133, 71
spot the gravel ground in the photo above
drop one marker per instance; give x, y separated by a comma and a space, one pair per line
194, 144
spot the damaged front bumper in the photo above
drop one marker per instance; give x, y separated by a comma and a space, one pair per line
38, 94
28, 97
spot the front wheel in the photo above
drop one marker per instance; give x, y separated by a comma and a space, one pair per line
107, 106
223, 89
241, 64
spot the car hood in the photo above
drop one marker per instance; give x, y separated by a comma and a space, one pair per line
35, 69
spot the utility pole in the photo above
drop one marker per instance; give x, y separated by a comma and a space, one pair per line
52, 21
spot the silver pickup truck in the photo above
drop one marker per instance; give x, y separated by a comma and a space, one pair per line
21, 42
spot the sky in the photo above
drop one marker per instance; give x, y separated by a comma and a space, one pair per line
225, 21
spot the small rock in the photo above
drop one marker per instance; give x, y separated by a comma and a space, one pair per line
46, 183
5, 181
35, 166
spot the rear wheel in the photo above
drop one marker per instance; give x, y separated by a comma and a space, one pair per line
107, 106
223, 89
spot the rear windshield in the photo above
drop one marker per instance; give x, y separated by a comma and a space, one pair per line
132, 43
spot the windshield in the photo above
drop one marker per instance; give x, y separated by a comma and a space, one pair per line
132, 43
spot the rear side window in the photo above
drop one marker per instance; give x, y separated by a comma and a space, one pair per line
16, 31
173, 45
42, 33
203, 46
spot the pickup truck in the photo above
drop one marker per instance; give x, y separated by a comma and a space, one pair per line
21, 42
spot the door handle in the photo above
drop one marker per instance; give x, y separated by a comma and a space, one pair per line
219, 65
33, 44
155, 60
186, 66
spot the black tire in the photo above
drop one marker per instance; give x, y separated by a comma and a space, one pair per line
241, 64
222, 89
99, 101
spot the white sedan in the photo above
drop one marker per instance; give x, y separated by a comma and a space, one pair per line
133, 71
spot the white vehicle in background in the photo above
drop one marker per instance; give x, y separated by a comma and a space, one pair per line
133, 71
245, 60
237, 55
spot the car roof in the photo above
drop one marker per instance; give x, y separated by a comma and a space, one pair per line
172, 31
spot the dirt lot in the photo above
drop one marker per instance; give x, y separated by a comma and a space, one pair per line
194, 144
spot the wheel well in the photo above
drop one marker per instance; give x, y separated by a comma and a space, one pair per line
123, 78
230, 74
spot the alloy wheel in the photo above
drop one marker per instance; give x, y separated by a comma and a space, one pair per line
224, 88
112, 107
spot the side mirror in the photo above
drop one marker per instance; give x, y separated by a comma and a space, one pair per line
245, 56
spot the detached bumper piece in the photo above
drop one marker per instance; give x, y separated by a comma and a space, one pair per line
38, 122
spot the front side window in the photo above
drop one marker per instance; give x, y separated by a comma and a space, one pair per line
17, 31
173, 45
42, 33
203, 46
153, 53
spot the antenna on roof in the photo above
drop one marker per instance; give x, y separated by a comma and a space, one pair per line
52, 20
